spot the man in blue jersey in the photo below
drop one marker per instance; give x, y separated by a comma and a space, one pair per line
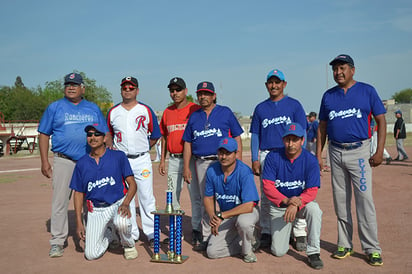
99, 178
204, 130
345, 114
268, 123
291, 179
230, 183
65, 120
312, 132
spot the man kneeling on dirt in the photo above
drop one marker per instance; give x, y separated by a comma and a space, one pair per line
100, 177
230, 183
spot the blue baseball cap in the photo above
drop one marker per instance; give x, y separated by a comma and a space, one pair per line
206, 86
294, 129
96, 127
73, 78
277, 73
228, 143
342, 58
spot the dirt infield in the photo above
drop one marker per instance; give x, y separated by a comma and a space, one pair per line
25, 198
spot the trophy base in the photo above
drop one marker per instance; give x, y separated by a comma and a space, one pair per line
164, 258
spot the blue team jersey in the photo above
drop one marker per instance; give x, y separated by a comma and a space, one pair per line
65, 122
239, 187
291, 178
312, 130
348, 116
205, 133
103, 182
270, 118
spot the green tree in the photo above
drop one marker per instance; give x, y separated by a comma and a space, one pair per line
403, 96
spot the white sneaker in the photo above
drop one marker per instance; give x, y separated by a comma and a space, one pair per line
250, 258
130, 253
56, 251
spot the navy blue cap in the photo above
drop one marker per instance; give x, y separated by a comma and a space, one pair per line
73, 78
96, 127
206, 86
343, 58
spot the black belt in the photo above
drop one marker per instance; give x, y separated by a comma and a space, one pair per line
100, 204
178, 155
61, 155
209, 157
136, 155
347, 146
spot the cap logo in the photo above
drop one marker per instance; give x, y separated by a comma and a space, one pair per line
225, 141
292, 128
175, 80
72, 76
204, 85
128, 78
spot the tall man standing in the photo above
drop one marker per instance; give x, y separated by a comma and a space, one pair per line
135, 130
345, 115
270, 118
205, 128
65, 120
172, 126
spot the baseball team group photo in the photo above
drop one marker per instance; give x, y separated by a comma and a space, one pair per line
122, 186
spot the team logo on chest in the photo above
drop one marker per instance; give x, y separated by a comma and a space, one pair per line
140, 122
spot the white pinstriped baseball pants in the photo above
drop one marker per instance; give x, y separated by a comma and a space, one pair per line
97, 236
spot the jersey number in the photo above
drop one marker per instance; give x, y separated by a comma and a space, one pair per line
119, 137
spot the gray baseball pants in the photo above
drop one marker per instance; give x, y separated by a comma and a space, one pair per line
351, 169
236, 236
280, 230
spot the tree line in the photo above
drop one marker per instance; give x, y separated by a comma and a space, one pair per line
22, 103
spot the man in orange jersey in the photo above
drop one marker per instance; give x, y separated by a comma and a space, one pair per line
172, 126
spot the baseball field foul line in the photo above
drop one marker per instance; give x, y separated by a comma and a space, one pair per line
18, 170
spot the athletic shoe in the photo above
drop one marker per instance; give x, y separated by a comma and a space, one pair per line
388, 160
342, 252
56, 251
130, 253
201, 247
250, 258
375, 259
315, 261
300, 244
396, 159
265, 240
405, 158
196, 237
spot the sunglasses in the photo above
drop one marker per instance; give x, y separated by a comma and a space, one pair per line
175, 89
128, 88
71, 85
95, 133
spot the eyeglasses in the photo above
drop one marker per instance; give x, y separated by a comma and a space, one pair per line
172, 90
95, 133
128, 88
71, 85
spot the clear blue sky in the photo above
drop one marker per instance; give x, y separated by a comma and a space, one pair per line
233, 44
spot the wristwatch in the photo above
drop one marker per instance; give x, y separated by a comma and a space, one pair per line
219, 214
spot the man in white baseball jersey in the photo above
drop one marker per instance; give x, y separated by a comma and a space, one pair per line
99, 178
135, 130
